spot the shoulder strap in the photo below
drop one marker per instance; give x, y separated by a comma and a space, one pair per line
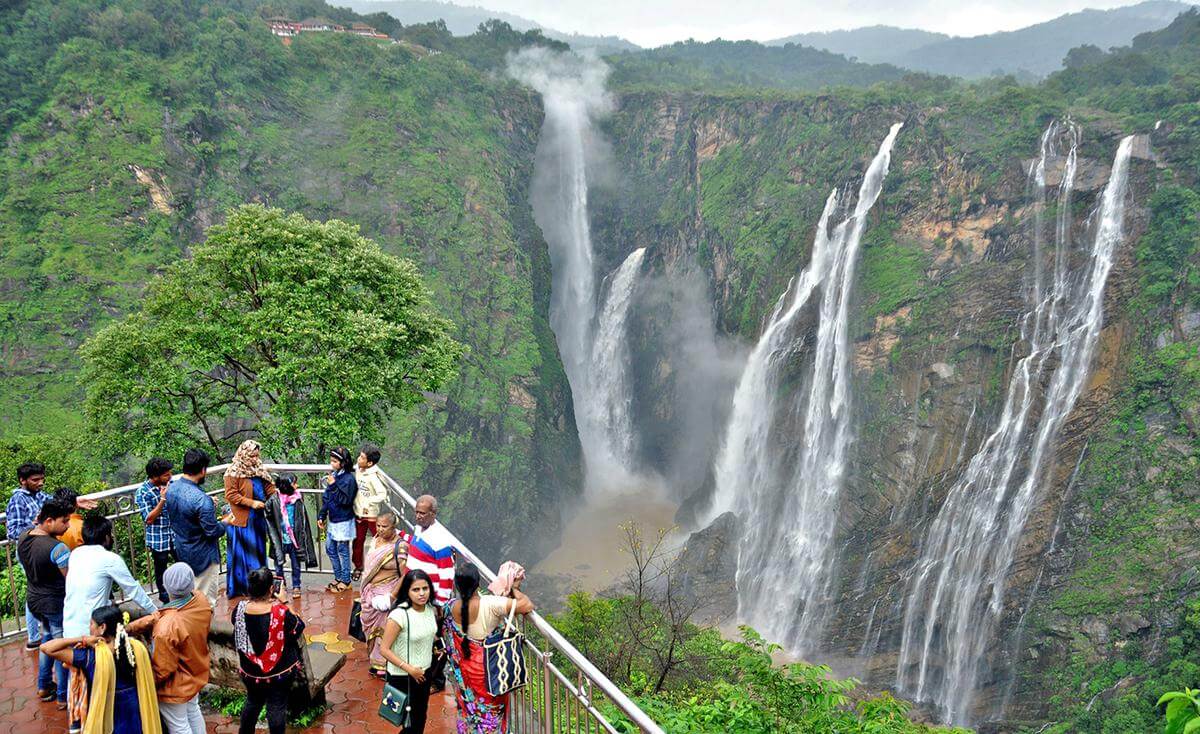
512, 609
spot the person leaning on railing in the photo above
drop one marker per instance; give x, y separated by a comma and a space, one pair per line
471, 619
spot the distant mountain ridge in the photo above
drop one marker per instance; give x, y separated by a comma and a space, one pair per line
1036, 50
870, 44
462, 20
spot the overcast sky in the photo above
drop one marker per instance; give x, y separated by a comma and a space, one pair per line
655, 22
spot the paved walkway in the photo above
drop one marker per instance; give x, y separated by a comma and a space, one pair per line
353, 695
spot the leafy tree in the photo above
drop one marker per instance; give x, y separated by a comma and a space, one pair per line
59, 452
297, 332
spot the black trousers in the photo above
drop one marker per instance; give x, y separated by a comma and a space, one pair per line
418, 699
274, 695
162, 560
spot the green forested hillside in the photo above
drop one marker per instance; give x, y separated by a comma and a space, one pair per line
145, 121
725, 65
1100, 617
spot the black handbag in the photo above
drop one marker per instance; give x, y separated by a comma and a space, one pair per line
355, 629
396, 706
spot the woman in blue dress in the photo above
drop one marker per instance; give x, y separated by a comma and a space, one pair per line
115, 693
247, 487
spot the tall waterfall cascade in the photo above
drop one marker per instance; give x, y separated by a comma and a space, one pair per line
607, 407
787, 546
955, 595
591, 335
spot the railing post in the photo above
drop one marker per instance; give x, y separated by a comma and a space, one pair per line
547, 691
18, 608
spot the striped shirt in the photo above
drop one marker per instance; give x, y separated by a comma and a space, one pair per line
431, 550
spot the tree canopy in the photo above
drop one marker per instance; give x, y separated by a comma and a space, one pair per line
295, 332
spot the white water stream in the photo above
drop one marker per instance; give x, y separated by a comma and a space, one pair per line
955, 596
591, 337
787, 547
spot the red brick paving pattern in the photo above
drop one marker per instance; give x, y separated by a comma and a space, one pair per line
352, 695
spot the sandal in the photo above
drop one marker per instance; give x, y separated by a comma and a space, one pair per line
333, 587
296, 593
356, 576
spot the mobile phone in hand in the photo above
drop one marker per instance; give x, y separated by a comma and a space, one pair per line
277, 586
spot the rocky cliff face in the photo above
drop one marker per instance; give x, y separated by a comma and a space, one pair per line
731, 188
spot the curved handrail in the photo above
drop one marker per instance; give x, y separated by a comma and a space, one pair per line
585, 666
598, 679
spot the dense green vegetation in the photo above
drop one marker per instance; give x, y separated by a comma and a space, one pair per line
303, 334
726, 65
128, 139
718, 685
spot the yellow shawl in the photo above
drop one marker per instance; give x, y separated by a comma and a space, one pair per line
104, 691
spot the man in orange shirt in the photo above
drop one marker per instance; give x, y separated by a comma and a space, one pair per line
73, 538
181, 660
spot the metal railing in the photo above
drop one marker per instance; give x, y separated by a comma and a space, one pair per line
566, 693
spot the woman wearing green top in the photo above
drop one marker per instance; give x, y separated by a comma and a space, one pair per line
407, 644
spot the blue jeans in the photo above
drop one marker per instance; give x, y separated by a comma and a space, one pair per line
31, 626
293, 560
52, 629
339, 558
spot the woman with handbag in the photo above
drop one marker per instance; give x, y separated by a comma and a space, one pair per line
472, 620
267, 636
407, 646
385, 567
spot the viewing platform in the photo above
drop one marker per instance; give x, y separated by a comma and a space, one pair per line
566, 692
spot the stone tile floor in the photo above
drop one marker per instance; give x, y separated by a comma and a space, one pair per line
352, 695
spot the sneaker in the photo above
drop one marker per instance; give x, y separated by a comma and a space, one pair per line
46, 695
75, 728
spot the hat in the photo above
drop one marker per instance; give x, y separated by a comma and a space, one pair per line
179, 580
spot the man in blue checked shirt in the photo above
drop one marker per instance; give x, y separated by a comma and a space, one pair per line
151, 501
20, 515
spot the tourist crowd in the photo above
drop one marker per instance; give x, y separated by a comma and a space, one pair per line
139, 666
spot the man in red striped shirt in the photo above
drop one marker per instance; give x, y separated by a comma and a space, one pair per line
430, 548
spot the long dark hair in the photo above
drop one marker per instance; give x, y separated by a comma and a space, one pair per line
259, 582
466, 582
414, 575
110, 618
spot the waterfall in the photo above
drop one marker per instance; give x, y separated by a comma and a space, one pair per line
606, 408
955, 596
574, 97
785, 554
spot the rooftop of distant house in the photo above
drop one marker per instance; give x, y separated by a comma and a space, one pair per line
286, 28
